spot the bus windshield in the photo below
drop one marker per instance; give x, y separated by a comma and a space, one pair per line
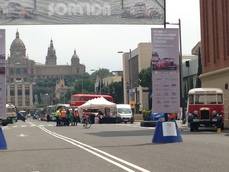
206, 99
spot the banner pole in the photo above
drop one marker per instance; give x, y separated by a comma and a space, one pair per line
165, 14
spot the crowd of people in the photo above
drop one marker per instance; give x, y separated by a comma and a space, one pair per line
67, 117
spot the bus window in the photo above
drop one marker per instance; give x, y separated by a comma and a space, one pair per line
220, 98
211, 99
199, 99
191, 99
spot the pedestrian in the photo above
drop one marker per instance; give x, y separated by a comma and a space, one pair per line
69, 120
48, 117
57, 116
76, 117
63, 116
100, 115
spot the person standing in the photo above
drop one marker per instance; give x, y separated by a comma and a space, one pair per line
63, 116
57, 115
69, 117
75, 117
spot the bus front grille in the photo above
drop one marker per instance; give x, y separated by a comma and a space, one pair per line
204, 114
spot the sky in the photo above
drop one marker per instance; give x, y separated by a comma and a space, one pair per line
97, 45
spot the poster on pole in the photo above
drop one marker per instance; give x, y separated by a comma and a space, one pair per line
165, 70
2, 75
32, 12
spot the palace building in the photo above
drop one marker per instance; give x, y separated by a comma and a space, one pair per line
23, 72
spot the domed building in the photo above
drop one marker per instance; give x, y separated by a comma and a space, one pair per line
22, 73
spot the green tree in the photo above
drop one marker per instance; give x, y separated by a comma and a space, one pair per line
101, 73
115, 90
145, 78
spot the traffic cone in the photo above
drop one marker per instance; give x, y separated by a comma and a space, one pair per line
3, 144
167, 132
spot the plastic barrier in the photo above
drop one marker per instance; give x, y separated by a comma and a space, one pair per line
167, 132
2, 140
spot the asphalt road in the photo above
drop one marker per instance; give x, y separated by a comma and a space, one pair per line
37, 146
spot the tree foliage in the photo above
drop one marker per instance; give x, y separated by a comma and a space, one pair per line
145, 78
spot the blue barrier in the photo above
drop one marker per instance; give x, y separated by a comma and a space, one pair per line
167, 132
3, 144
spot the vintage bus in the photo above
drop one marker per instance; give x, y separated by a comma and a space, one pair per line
205, 108
79, 99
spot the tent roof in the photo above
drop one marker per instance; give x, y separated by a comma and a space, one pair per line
97, 103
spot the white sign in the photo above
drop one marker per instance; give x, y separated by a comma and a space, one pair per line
165, 71
169, 129
2, 75
82, 12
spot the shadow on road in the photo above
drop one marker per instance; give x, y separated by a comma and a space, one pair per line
132, 145
123, 133
36, 150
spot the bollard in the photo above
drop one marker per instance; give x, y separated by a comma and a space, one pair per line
166, 132
3, 144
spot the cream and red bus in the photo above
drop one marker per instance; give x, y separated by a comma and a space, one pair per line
205, 108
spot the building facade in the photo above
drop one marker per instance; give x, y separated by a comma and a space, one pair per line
22, 73
133, 63
215, 47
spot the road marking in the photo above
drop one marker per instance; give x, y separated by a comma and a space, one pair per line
23, 126
15, 126
96, 152
135, 126
22, 135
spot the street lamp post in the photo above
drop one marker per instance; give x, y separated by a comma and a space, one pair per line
180, 65
127, 82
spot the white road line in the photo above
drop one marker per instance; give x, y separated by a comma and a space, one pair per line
86, 149
15, 126
96, 152
135, 126
23, 126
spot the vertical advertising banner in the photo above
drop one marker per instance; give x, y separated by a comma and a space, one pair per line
2, 75
165, 71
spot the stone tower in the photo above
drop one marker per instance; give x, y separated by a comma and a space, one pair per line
51, 56
75, 59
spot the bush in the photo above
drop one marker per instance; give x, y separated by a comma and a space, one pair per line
146, 114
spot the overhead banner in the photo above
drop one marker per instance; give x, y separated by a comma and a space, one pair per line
2, 75
24, 12
165, 71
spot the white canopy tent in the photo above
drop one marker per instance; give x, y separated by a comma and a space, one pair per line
97, 103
